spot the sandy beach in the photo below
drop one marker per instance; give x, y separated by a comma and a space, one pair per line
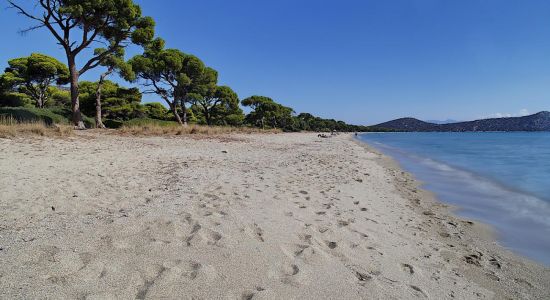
260, 216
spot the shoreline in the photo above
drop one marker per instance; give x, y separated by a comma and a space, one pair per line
408, 183
237, 216
507, 229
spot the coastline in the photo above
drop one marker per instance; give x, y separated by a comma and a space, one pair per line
240, 216
497, 196
411, 188
475, 234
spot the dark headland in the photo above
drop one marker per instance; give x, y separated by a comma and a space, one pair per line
536, 122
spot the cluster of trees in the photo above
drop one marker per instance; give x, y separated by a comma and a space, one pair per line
188, 87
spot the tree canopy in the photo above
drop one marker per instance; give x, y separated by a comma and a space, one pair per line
267, 112
217, 105
180, 79
172, 75
33, 76
114, 62
121, 104
77, 24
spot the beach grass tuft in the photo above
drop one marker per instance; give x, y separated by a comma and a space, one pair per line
176, 129
10, 127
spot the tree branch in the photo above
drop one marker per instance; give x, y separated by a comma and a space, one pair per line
96, 60
22, 11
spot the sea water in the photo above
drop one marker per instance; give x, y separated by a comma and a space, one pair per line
499, 178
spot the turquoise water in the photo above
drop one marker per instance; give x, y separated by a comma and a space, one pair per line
499, 178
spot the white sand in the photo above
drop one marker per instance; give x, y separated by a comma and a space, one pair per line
241, 217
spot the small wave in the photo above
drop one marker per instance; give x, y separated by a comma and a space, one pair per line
521, 218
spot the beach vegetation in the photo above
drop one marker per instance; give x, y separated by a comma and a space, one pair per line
172, 75
188, 87
10, 128
217, 105
33, 77
113, 62
119, 103
268, 113
77, 25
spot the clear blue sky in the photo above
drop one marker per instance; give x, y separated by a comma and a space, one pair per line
360, 61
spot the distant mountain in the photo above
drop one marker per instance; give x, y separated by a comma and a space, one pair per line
536, 122
442, 122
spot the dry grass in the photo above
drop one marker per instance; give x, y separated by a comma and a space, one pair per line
154, 130
10, 128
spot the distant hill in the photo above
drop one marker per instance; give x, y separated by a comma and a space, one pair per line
536, 122
442, 122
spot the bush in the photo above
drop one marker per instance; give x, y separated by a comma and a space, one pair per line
67, 114
157, 111
113, 124
49, 116
31, 114
14, 100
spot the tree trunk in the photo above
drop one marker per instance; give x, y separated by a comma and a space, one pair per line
40, 101
184, 110
75, 103
175, 111
207, 116
98, 117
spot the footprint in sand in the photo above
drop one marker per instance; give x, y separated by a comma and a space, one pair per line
418, 292
258, 232
332, 245
323, 229
342, 223
200, 235
193, 269
212, 237
360, 274
291, 270
408, 268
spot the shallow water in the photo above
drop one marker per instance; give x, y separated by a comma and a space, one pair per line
499, 178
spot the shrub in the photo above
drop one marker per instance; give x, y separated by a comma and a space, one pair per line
13, 99
32, 115
114, 124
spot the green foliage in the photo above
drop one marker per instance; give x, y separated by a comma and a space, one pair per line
31, 114
157, 111
267, 112
67, 114
33, 76
115, 62
236, 119
217, 105
171, 74
309, 122
119, 103
114, 124
77, 24
14, 99
59, 97
178, 78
